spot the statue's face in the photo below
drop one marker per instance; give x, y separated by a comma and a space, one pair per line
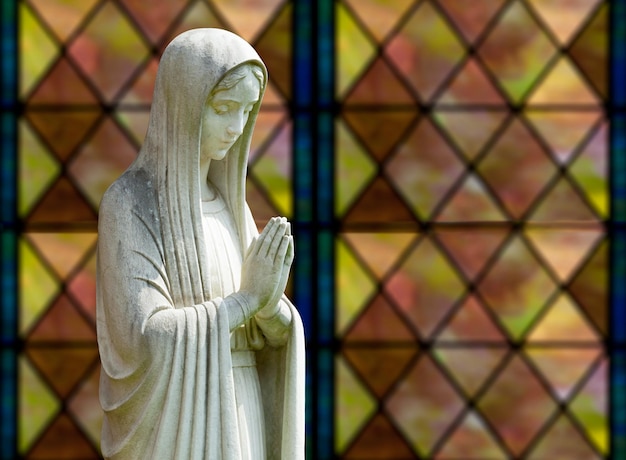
225, 117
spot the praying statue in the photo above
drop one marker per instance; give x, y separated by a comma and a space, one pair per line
202, 353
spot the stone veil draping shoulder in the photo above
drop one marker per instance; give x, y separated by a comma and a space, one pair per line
166, 384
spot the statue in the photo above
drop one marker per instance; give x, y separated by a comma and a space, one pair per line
202, 353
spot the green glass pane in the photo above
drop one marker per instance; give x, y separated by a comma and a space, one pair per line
424, 405
425, 50
517, 168
353, 50
37, 405
425, 287
516, 405
516, 51
354, 168
36, 49
101, 161
424, 167
273, 170
516, 288
353, 286
37, 169
37, 287
590, 406
354, 405
108, 50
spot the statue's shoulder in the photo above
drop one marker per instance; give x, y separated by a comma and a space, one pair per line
133, 192
135, 188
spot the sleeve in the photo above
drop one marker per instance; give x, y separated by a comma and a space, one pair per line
276, 326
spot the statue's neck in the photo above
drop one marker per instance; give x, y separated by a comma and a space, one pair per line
207, 190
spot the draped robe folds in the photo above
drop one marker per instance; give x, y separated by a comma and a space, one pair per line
167, 385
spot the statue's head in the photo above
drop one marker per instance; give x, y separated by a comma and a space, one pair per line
227, 109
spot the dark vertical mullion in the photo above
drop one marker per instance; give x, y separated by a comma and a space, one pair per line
303, 271
8, 232
324, 154
617, 113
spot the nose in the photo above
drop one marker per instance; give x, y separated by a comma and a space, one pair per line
237, 122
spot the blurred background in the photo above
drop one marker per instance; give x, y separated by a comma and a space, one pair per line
445, 167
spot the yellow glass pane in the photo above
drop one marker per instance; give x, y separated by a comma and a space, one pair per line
37, 50
37, 169
37, 405
273, 170
37, 286
354, 405
355, 168
353, 287
353, 49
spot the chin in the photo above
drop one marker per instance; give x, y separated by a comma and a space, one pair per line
219, 155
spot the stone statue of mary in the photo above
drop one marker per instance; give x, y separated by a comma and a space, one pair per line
202, 353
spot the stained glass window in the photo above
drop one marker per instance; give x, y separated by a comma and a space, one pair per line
452, 172
472, 262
